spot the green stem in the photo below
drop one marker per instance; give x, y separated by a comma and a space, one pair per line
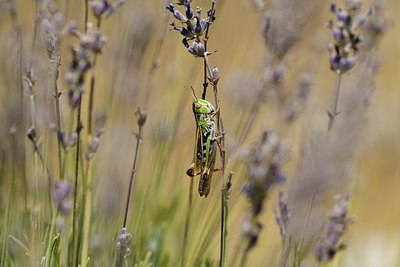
187, 222
132, 174
50, 239
244, 258
9, 199
86, 218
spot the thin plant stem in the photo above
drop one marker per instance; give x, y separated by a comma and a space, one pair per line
138, 139
6, 217
35, 26
78, 128
221, 135
205, 84
334, 111
76, 176
225, 219
244, 258
58, 119
91, 94
187, 222
86, 216
50, 238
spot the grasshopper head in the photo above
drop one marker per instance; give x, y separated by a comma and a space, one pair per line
201, 106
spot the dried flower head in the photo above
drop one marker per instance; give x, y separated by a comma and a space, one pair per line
329, 246
344, 50
141, 116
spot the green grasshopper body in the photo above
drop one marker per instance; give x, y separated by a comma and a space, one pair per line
205, 145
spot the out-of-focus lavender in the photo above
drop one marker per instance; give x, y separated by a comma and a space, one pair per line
124, 241
282, 216
326, 162
345, 49
284, 23
329, 245
264, 171
61, 192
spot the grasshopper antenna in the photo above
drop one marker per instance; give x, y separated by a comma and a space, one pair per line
190, 93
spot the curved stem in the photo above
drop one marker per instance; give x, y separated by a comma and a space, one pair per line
139, 137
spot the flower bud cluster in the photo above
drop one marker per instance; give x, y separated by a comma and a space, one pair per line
329, 246
68, 141
61, 192
264, 171
344, 50
91, 43
99, 130
193, 26
124, 240
282, 215
103, 9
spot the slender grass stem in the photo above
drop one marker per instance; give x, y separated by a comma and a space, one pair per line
187, 222
75, 254
221, 135
76, 178
138, 139
50, 239
91, 94
58, 116
243, 260
334, 112
86, 216
6, 218
205, 84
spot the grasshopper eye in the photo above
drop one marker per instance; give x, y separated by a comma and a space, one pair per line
197, 105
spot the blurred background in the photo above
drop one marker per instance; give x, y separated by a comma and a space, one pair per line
144, 64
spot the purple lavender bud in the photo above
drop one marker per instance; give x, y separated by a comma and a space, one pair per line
280, 177
185, 43
198, 29
124, 231
344, 17
334, 62
170, 7
97, 8
122, 239
346, 64
337, 34
179, 16
197, 49
189, 11
185, 32
200, 49
61, 190
203, 24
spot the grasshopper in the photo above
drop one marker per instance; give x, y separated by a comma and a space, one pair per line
205, 144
